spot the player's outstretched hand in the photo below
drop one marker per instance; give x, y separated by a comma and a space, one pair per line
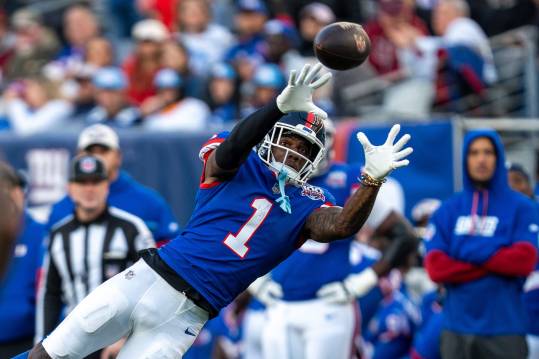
297, 96
381, 160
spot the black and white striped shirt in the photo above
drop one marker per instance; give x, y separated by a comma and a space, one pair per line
81, 256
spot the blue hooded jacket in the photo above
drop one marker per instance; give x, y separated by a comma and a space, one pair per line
470, 227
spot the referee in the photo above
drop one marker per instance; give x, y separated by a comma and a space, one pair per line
87, 247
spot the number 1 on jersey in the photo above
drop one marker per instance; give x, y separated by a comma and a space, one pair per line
238, 242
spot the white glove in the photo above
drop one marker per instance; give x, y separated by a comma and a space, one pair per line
354, 286
266, 290
298, 94
381, 160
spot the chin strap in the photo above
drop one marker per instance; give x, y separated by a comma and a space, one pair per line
284, 201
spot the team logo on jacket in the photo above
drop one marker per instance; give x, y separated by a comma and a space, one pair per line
315, 193
336, 179
476, 226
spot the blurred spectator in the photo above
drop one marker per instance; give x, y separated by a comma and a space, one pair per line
344, 10
80, 26
207, 42
519, 180
79, 89
17, 289
33, 105
281, 41
109, 240
35, 45
7, 43
391, 331
466, 63
223, 95
312, 18
175, 56
170, 109
267, 82
249, 23
162, 10
112, 107
121, 16
483, 242
99, 52
395, 19
507, 15
144, 63
422, 212
124, 193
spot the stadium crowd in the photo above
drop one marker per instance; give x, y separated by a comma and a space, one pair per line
194, 65
214, 61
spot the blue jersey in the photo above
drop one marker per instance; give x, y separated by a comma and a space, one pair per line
392, 328
237, 231
427, 339
18, 288
316, 264
127, 194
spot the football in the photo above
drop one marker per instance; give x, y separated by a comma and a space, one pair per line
342, 45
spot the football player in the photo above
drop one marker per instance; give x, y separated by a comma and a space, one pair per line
252, 211
314, 315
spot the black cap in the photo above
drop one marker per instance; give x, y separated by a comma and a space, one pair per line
87, 168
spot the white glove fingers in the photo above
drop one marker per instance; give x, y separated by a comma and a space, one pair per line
399, 164
402, 154
362, 138
318, 111
292, 78
322, 80
312, 73
393, 134
401, 142
302, 74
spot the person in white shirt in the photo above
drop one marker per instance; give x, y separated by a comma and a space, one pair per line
32, 106
170, 110
206, 41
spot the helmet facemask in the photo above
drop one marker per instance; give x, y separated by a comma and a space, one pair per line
308, 164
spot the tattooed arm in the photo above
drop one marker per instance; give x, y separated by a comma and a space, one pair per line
329, 224
332, 223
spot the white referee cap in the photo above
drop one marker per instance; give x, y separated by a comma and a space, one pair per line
98, 134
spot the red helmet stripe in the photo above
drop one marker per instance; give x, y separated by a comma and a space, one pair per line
310, 120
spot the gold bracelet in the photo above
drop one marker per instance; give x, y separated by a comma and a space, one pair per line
368, 181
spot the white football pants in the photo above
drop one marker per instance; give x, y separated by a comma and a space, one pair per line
159, 321
253, 326
310, 330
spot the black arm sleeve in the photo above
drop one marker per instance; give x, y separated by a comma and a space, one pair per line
52, 299
245, 135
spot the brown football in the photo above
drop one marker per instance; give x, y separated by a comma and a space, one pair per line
342, 45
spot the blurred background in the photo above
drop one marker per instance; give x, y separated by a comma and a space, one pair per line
167, 74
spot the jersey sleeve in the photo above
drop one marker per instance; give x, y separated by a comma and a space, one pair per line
210, 145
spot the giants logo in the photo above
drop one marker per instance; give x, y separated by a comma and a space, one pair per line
475, 225
47, 172
315, 193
